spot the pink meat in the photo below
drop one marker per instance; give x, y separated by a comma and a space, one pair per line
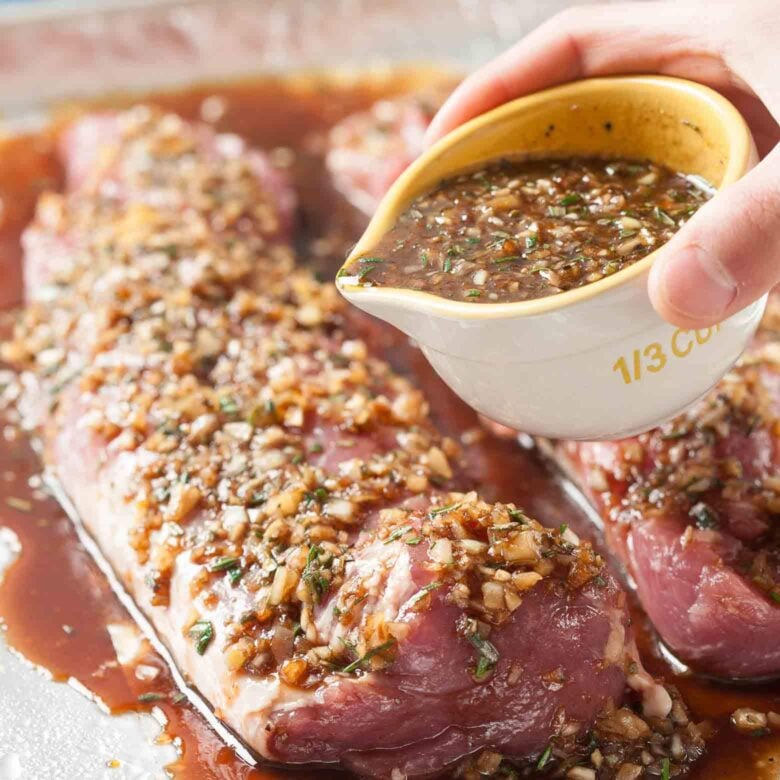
427, 706
426, 711
370, 149
83, 144
562, 653
705, 577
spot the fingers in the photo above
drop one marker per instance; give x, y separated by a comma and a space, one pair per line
763, 126
668, 38
729, 254
726, 257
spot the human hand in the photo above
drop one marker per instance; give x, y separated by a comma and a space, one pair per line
728, 254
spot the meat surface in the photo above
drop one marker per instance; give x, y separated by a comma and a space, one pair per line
692, 508
278, 502
370, 149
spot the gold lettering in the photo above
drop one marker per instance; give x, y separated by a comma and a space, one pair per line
656, 354
676, 349
620, 365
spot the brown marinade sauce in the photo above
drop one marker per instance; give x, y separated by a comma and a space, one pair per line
515, 230
55, 583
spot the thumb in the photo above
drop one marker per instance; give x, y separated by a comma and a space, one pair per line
726, 257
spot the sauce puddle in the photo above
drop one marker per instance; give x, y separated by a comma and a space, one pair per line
55, 603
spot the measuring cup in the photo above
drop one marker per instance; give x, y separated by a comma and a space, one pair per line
596, 361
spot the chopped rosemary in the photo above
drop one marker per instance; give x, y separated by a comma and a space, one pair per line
423, 592
312, 574
442, 509
224, 564
545, 757
147, 697
704, 516
397, 534
319, 495
665, 769
365, 271
202, 632
517, 516
257, 498
487, 656
228, 404
662, 216
351, 668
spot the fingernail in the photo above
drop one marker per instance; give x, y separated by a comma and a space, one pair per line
697, 285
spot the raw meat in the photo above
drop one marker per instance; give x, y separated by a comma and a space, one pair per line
691, 508
277, 501
370, 149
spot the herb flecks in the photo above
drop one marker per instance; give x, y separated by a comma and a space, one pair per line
228, 405
423, 592
360, 663
487, 656
146, 698
704, 516
545, 757
313, 574
398, 533
224, 564
202, 632
444, 509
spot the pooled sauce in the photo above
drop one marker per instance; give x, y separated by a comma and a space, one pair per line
54, 602
518, 230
